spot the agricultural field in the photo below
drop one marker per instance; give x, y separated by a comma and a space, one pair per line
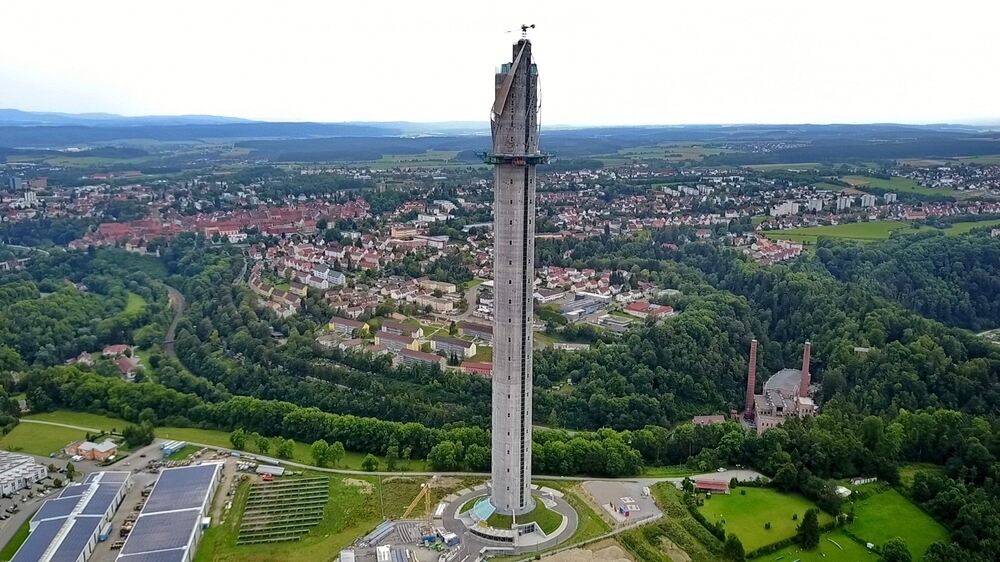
834, 546
986, 160
791, 166
667, 152
964, 227
861, 231
746, 515
430, 158
883, 516
903, 185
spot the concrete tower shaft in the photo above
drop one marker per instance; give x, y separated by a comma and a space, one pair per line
748, 411
514, 123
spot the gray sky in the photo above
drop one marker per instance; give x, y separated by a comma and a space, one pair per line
601, 62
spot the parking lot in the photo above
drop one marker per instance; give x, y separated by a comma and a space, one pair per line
625, 502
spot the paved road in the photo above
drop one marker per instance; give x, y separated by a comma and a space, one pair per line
726, 476
471, 294
28, 509
178, 303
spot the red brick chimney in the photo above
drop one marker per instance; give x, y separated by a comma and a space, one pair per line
751, 381
804, 383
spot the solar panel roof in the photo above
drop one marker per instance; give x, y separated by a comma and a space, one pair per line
73, 491
36, 543
181, 488
79, 535
110, 476
162, 531
176, 555
102, 499
57, 508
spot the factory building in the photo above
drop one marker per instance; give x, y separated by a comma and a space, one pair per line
785, 394
18, 472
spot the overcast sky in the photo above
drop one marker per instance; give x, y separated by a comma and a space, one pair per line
601, 62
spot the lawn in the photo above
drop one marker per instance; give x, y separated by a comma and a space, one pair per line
544, 517
484, 354
20, 535
834, 546
351, 511
589, 523
745, 515
861, 231
886, 515
39, 439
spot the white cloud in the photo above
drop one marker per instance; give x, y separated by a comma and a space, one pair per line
601, 62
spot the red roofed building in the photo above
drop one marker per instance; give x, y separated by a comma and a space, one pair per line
704, 485
477, 368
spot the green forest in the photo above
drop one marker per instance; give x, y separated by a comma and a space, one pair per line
900, 382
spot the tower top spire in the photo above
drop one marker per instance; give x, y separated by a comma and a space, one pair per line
524, 30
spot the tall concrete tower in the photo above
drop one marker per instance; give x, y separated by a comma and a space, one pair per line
514, 123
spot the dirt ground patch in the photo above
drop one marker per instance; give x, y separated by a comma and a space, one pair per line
366, 487
445, 482
675, 552
604, 551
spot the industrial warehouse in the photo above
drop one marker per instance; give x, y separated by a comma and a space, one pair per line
172, 520
67, 528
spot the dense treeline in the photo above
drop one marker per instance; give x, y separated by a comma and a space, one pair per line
457, 448
44, 231
865, 347
63, 304
952, 279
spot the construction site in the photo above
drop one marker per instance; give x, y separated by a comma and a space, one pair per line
409, 539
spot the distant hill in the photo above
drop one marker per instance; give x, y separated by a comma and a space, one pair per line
34, 118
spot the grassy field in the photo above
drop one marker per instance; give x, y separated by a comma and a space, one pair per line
994, 160
861, 231
352, 510
677, 530
963, 227
667, 152
745, 515
15, 542
903, 185
666, 471
81, 419
57, 437
787, 166
908, 471
38, 439
834, 546
886, 515
827, 186
135, 304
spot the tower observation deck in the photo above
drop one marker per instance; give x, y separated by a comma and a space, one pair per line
514, 125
